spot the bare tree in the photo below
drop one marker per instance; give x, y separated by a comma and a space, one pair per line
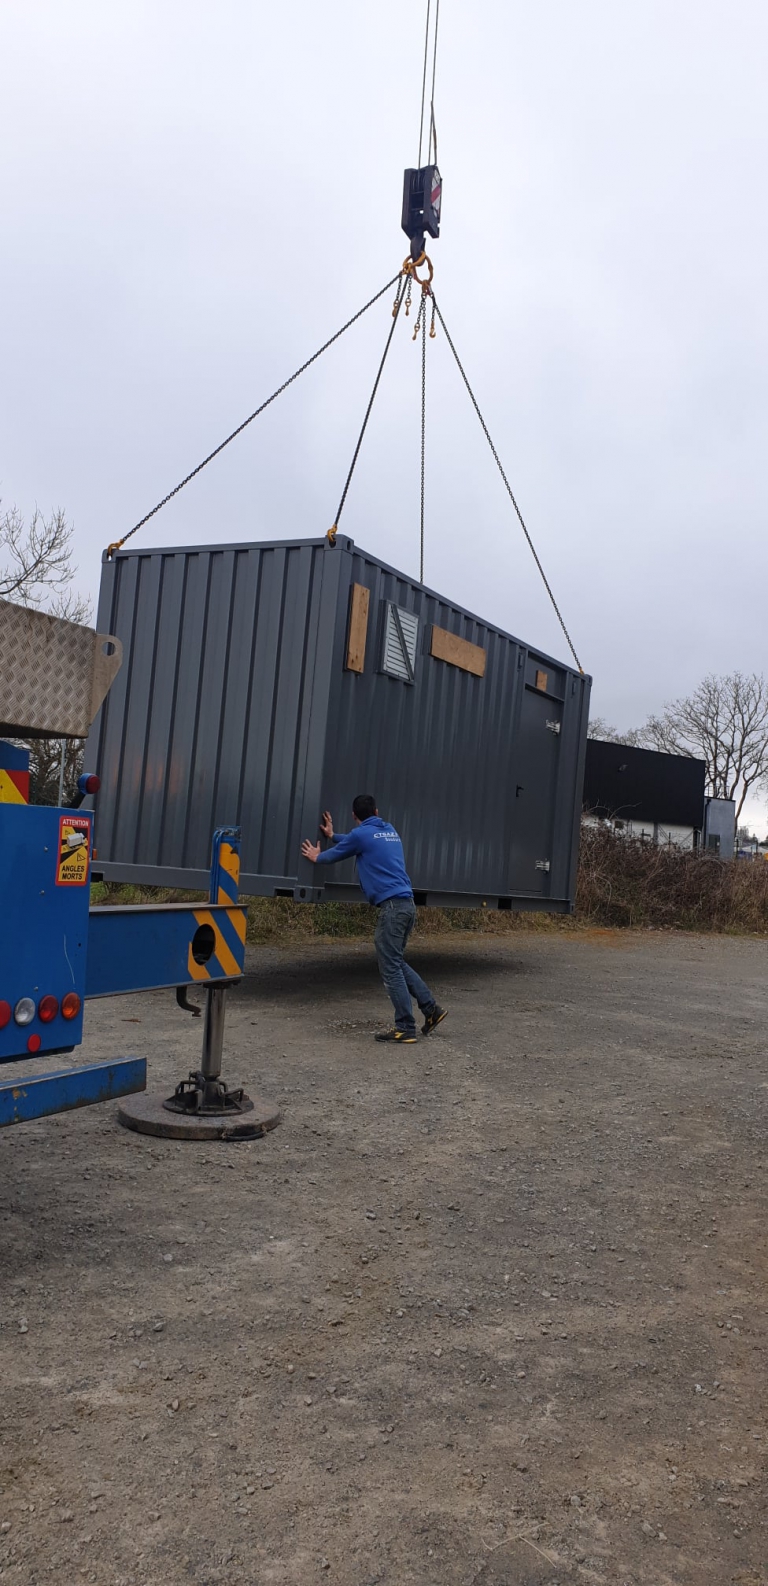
724, 722
36, 570
35, 558
73, 607
600, 728
45, 768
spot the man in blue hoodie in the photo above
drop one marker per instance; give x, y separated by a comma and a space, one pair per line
385, 881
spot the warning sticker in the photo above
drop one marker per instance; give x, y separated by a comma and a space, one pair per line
74, 851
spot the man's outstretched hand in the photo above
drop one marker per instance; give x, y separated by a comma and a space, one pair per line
312, 850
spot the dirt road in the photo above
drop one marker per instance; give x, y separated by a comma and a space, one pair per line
486, 1311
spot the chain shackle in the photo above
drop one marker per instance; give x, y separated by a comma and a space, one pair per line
412, 266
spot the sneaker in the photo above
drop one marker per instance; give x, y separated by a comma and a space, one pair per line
395, 1035
433, 1019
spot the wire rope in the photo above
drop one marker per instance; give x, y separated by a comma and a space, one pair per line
424, 83
510, 492
395, 316
423, 434
432, 124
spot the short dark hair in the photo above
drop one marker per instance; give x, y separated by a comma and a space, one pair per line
364, 806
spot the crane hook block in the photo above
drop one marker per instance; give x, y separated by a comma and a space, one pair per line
422, 196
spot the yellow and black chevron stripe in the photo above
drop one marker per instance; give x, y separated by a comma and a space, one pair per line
229, 878
226, 961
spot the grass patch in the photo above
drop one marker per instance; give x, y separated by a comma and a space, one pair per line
106, 893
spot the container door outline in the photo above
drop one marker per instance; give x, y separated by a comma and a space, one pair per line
537, 737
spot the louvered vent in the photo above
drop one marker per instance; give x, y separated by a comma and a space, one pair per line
401, 632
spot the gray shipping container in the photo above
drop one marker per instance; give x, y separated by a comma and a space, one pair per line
262, 684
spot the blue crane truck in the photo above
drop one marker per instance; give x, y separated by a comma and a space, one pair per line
56, 951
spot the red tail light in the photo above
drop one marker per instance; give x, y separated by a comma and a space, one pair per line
5, 1014
34, 1043
47, 1009
70, 1005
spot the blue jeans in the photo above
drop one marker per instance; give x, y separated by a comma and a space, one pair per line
397, 917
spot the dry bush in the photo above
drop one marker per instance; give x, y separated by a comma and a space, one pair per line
626, 882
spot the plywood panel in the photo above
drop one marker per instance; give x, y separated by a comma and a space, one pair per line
358, 627
458, 652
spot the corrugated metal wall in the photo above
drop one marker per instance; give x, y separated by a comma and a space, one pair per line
444, 755
207, 722
437, 753
234, 706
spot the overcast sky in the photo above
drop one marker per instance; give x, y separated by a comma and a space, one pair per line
194, 196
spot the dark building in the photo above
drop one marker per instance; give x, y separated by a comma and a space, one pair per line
658, 796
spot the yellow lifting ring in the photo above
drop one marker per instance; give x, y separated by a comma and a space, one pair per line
411, 266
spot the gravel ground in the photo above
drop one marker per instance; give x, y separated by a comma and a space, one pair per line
486, 1311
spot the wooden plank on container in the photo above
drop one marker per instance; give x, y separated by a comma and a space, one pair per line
358, 627
541, 681
458, 652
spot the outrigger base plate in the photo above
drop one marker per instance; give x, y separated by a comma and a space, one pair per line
150, 1115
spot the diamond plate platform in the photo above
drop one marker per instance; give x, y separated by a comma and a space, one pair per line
54, 674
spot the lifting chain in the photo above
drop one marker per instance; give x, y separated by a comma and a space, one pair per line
410, 271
